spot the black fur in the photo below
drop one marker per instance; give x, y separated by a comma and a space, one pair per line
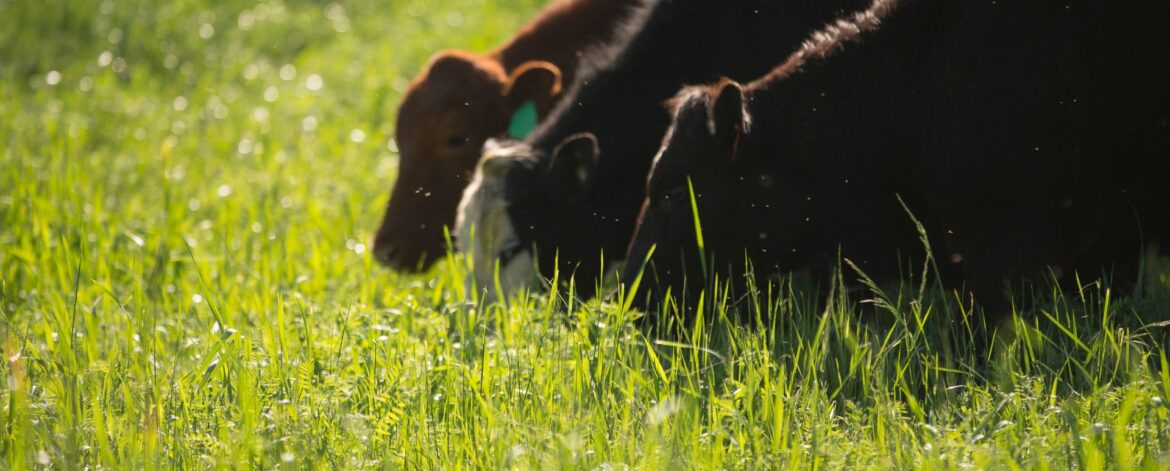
1030, 137
619, 100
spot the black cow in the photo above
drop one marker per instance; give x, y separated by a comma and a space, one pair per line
1032, 139
575, 207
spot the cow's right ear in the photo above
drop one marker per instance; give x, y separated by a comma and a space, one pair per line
538, 82
573, 164
729, 119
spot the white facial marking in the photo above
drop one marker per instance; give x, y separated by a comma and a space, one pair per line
483, 228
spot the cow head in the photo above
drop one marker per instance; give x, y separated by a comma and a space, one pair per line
449, 111
703, 153
518, 202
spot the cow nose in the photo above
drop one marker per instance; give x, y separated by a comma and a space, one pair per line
384, 251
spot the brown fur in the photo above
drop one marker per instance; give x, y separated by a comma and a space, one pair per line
829, 40
459, 101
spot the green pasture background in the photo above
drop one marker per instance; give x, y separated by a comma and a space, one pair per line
187, 191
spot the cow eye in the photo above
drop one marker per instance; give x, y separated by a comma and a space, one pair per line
669, 200
456, 140
509, 251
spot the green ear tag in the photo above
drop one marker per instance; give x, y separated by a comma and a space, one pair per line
523, 121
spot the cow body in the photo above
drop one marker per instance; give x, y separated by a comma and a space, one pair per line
462, 99
1032, 139
576, 208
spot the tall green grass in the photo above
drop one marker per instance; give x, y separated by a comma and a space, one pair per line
186, 193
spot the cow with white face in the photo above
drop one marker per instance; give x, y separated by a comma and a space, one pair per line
483, 230
514, 205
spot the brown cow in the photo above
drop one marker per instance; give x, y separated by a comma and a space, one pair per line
462, 99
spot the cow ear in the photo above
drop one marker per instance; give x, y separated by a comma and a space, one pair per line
573, 164
538, 82
729, 121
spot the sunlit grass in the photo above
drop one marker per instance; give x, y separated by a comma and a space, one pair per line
186, 194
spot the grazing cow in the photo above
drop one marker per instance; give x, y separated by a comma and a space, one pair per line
576, 208
462, 99
1032, 139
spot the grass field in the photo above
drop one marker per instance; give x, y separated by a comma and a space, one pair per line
186, 194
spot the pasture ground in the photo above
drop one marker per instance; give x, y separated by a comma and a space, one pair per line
186, 193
